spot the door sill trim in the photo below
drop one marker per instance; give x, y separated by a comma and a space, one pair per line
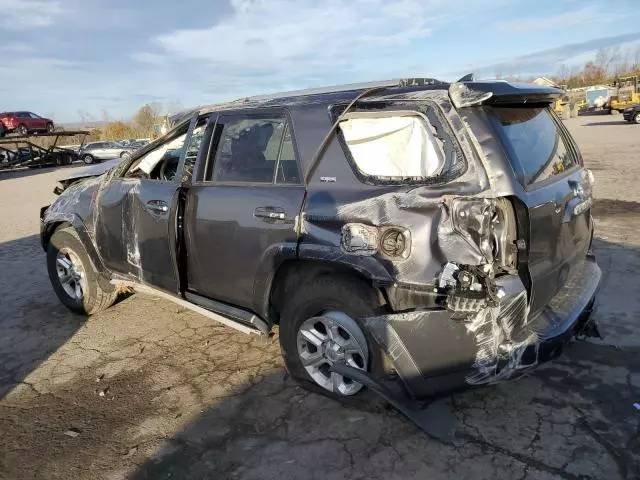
236, 324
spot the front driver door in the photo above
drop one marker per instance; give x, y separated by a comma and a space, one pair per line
37, 122
137, 210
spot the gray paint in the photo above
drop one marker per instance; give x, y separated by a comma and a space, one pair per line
232, 255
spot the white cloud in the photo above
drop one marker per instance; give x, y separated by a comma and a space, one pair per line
288, 44
16, 47
267, 34
24, 14
589, 15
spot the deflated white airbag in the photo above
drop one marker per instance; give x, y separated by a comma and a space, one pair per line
393, 145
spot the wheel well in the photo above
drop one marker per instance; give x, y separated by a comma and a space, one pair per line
51, 229
292, 273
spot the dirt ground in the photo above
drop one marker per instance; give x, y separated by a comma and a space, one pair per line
149, 390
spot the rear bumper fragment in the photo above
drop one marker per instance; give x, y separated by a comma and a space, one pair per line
434, 352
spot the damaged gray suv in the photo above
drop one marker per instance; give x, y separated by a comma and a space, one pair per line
415, 233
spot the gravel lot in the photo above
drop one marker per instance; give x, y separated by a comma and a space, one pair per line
149, 390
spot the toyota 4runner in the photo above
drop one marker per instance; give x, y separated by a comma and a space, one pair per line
437, 234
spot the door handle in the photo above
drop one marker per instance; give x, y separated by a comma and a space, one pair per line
270, 213
159, 207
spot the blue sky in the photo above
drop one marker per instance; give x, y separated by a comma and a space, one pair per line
60, 57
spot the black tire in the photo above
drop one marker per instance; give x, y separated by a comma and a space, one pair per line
326, 293
88, 159
636, 117
22, 129
50, 127
3, 131
125, 155
95, 299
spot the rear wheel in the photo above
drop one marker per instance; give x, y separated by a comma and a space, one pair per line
636, 117
125, 155
88, 159
3, 131
320, 325
73, 276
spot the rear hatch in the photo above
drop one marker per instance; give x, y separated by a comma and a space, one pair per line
554, 189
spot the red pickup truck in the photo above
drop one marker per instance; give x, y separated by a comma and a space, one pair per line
24, 123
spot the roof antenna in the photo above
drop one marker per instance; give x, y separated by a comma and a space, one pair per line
469, 77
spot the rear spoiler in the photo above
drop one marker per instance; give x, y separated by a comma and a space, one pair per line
468, 94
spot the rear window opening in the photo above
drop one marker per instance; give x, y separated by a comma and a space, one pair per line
393, 144
536, 146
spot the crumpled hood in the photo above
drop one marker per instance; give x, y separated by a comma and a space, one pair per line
90, 171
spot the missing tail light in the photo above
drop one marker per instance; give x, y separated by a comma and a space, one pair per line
504, 234
489, 225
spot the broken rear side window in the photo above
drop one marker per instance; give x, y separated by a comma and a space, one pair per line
393, 144
537, 149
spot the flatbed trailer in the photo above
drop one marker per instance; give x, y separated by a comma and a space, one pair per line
22, 151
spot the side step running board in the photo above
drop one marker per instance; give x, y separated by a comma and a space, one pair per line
228, 311
229, 322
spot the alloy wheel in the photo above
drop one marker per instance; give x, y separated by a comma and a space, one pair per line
328, 338
71, 274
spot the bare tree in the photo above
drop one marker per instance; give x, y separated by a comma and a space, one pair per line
104, 115
623, 65
606, 57
174, 106
563, 73
85, 117
636, 58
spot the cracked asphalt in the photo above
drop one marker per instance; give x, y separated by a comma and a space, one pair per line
147, 389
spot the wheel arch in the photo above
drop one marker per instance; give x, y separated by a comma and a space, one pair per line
58, 221
293, 272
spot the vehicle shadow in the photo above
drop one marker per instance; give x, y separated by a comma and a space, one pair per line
274, 429
33, 322
606, 124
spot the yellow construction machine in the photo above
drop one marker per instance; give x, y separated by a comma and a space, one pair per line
627, 94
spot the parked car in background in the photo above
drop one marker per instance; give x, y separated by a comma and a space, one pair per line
97, 151
24, 123
73, 148
428, 234
632, 113
135, 142
139, 144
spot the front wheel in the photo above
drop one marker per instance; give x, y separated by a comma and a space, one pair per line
50, 127
88, 159
125, 155
322, 324
73, 276
22, 130
636, 117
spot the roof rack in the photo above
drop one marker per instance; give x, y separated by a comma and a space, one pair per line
400, 82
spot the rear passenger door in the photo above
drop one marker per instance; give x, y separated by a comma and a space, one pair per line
240, 216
